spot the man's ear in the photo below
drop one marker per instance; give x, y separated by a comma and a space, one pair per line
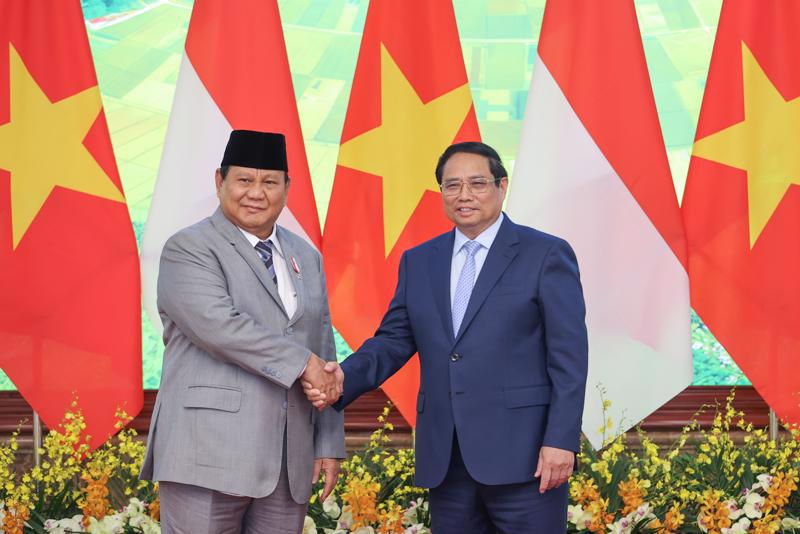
218, 180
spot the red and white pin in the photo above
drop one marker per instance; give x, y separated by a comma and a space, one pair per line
296, 267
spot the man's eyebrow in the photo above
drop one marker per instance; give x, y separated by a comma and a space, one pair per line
471, 177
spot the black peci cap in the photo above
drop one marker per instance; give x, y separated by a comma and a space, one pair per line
257, 150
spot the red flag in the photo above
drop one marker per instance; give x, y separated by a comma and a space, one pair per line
742, 201
410, 100
69, 291
235, 75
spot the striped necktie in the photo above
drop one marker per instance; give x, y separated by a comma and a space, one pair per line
264, 249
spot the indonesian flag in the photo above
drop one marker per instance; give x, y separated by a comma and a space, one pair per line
742, 201
70, 319
592, 169
234, 75
410, 100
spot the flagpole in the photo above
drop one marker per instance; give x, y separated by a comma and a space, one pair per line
773, 425
37, 438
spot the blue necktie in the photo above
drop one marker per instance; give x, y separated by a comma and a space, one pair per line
264, 249
466, 280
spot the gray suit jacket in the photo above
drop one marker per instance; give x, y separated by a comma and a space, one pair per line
229, 381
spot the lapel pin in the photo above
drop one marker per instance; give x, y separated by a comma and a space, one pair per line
296, 267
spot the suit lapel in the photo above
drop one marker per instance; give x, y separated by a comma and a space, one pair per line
290, 257
503, 250
440, 265
242, 246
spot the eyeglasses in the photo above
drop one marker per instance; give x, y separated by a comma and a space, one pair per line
452, 188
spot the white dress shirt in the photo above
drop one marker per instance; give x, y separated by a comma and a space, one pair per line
485, 238
286, 289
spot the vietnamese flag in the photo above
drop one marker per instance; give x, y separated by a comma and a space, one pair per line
592, 168
741, 206
410, 100
70, 320
233, 76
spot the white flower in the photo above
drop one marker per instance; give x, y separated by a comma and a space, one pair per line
135, 507
626, 524
578, 517
641, 512
701, 523
110, 524
790, 522
764, 481
345, 520
331, 507
309, 527
740, 527
419, 528
753, 504
64, 526
149, 526
734, 512
411, 514
623, 526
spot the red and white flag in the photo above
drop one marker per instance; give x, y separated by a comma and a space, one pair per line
234, 75
592, 169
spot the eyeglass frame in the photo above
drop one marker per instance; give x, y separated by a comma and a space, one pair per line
463, 183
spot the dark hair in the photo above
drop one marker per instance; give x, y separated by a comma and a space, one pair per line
223, 170
473, 147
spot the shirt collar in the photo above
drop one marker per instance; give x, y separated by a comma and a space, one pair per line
485, 238
253, 240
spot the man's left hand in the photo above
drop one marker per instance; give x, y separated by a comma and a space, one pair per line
554, 467
330, 468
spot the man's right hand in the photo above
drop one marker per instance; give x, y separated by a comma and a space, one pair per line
322, 381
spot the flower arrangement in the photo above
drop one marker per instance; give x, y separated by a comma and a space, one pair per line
714, 486
707, 484
76, 490
374, 494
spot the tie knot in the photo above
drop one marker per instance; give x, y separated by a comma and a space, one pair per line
471, 247
264, 247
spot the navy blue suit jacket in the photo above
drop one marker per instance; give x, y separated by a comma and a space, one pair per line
514, 377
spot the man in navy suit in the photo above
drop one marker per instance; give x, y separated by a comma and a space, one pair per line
496, 312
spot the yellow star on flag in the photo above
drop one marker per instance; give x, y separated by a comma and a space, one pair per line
765, 144
405, 147
42, 147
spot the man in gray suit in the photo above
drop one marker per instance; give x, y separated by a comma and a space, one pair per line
233, 442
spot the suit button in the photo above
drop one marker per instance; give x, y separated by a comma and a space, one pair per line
455, 357
289, 331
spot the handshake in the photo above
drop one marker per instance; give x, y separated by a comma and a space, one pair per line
322, 382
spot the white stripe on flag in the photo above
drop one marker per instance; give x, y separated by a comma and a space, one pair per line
636, 290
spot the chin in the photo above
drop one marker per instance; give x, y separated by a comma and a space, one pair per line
467, 220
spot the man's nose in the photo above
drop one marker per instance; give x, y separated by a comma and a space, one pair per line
256, 192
